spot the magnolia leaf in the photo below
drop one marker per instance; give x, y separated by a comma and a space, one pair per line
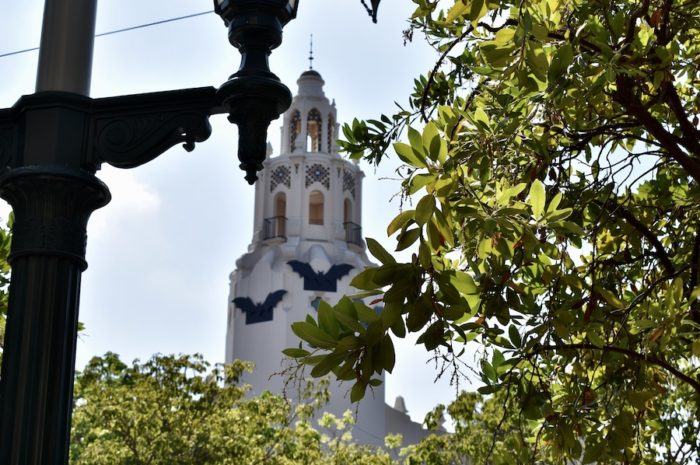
407, 154
477, 9
561, 60
537, 198
313, 335
640, 399
554, 203
375, 330
387, 354
611, 298
295, 352
379, 252
366, 314
480, 115
457, 10
349, 322
558, 215
464, 283
424, 209
696, 347
416, 140
328, 363
419, 181
514, 336
326, 319
443, 227
537, 60
365, 279
400, 221
357, 393
504, 36
430, 132
349, 343
407, 238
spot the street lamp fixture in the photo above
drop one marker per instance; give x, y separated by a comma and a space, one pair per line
51, 144
254, 95
284, 10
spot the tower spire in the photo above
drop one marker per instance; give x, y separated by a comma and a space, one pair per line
311, 52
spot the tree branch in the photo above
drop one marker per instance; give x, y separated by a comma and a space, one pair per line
619, 210
690, 133
431, 76
636, 14
694, 276
650, 359
589, 46
624, 96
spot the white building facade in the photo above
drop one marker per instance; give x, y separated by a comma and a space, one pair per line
307, 244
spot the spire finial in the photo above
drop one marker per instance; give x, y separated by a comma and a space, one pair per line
311, 52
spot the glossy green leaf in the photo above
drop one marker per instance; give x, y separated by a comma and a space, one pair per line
424, 209
537, 198
408, 155
313, 335
357, 393
400, 221
407, 238
379, 252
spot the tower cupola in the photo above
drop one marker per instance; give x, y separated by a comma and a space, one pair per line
310, 124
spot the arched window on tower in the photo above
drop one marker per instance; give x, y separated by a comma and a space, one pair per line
353, 232
314, 131
276, 226
331, 129
294, 130
281, 213
347, 211
316, 207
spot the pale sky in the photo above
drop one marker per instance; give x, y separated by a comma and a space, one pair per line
161, 252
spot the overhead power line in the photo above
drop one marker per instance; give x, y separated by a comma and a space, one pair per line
117, 31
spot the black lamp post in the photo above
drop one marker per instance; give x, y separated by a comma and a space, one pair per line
51, 144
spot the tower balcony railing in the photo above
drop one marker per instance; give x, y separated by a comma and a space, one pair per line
275, 227
353, 233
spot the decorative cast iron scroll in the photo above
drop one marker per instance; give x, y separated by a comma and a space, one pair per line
126, 138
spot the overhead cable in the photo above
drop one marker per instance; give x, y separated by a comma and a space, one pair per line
117, 31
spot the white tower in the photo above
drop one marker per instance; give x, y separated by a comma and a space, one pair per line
308, 212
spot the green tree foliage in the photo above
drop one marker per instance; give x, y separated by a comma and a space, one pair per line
553, 158
5, 239
176, 410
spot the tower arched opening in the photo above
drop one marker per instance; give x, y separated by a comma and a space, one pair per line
294, 130
281, 213
347, 211
316, 207
314, 130
331, 132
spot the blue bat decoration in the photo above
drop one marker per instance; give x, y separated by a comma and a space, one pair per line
257, 313
318, 280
